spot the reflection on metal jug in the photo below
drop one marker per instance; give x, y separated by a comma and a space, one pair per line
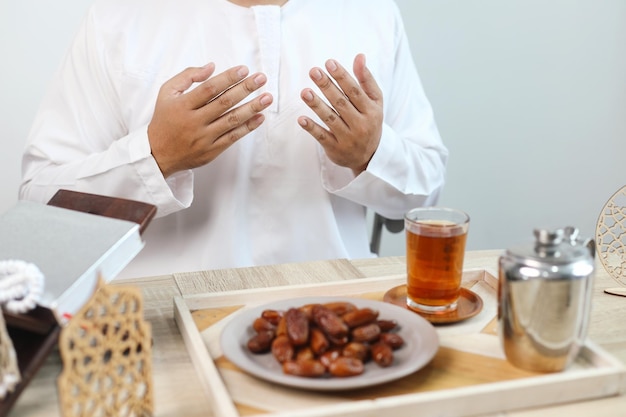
544, 300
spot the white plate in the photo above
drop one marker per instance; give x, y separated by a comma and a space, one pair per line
421, 344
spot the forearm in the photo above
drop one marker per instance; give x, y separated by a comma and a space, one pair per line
125, 169
402, 174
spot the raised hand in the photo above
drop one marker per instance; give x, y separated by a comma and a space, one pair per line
354, 118
191, 127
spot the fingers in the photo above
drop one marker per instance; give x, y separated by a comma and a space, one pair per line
351, 117
242, 118
232, 96
181, 82
366, 79
322, 135
338, 95
217, 100
228, 87
215, 86
347, 94
326, 113
233, 135
190, 127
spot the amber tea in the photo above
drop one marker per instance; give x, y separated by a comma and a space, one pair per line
435, 249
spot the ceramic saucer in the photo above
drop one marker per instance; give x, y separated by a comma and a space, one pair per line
468, 306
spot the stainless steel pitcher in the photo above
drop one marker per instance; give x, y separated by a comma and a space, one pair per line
544, 299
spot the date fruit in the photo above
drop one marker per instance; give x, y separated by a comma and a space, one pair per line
319, 340
360, 317
310, 368
345, 366
282, 349
329, 322
382, 354
261, 342
297, 327
366, 333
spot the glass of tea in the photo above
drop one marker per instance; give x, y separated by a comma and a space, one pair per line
435, 248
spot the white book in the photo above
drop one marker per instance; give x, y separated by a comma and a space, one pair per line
73, 249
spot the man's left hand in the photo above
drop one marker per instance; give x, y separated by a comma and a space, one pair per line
354, 118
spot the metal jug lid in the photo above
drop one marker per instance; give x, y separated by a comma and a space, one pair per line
559, 253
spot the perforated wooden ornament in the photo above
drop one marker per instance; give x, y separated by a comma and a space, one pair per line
611, 236
106, 354
9, 370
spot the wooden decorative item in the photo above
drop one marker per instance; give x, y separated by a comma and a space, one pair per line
9, 371
611, 236
106, 354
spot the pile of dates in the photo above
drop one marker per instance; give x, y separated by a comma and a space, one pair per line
334, 338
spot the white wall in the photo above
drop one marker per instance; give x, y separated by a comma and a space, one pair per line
529, 95
34, 34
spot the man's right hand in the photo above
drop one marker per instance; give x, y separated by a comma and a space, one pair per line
191, 128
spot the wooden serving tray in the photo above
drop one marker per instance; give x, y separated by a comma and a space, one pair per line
469, 375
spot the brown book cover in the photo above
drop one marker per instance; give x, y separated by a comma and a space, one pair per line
117, 208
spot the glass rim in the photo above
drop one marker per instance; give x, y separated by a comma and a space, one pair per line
465, 218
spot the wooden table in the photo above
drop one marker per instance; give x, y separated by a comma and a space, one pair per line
177, 387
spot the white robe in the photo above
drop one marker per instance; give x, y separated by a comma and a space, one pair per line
274, 196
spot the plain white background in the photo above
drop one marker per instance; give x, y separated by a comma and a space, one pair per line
529, 96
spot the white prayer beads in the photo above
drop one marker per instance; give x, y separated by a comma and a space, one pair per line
21, 285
